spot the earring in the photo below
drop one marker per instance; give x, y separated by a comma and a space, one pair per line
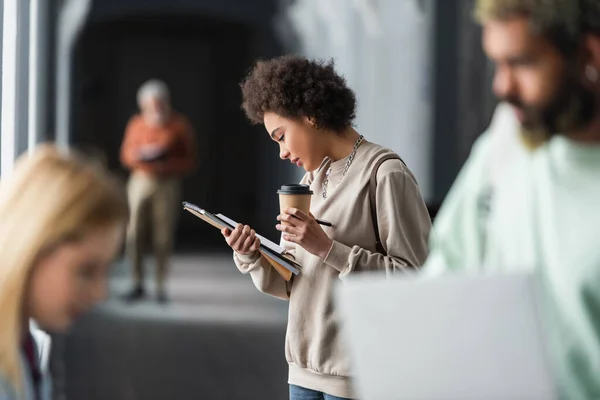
591, 73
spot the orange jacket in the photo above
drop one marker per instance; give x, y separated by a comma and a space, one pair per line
176, 137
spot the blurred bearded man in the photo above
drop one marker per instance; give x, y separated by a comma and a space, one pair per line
528, 198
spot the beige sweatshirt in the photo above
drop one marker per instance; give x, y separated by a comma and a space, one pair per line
317, 360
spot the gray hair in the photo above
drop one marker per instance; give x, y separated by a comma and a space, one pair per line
153, 88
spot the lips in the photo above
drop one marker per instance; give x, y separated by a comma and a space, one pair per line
297, 161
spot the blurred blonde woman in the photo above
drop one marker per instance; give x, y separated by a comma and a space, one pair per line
62, 223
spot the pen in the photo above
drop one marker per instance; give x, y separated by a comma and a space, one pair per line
324, 223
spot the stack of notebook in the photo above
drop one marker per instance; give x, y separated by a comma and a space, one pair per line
272, 252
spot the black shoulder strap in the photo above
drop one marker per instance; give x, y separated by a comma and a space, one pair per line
373, 198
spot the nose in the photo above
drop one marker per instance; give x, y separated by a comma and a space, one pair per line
504, 83
283, 153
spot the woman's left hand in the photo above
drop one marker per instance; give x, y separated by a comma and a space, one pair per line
303, 229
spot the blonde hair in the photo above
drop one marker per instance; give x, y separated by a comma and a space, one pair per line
563, 22
50, 198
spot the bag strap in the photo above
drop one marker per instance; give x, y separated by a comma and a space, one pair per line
373, 198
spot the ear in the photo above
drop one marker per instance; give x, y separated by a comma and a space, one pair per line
311, 121
592, 62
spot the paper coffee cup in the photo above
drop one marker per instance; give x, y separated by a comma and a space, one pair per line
296, 196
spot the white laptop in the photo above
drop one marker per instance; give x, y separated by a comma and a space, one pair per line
445, 338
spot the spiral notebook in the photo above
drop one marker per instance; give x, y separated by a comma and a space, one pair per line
276, 255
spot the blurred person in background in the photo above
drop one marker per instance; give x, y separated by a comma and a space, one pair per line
528, 197
57, 367
308, 110
158, 149
56, 254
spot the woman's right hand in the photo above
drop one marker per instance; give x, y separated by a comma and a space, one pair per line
242, 239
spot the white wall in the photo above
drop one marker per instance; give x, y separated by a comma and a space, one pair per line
384, 50
24, 60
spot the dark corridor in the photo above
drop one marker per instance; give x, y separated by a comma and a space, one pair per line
202, 60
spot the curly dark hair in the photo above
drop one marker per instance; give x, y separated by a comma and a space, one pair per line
296, 87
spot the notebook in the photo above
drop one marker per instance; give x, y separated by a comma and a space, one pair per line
276, 255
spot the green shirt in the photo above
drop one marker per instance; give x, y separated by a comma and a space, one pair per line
513, 209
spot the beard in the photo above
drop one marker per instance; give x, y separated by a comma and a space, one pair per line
572, 107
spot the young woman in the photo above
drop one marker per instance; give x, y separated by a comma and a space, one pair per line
63, 221
308, 110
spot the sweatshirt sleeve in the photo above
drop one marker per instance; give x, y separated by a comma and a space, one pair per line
264, 276
404, 226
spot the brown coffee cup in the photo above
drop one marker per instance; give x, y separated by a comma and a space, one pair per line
296, 196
